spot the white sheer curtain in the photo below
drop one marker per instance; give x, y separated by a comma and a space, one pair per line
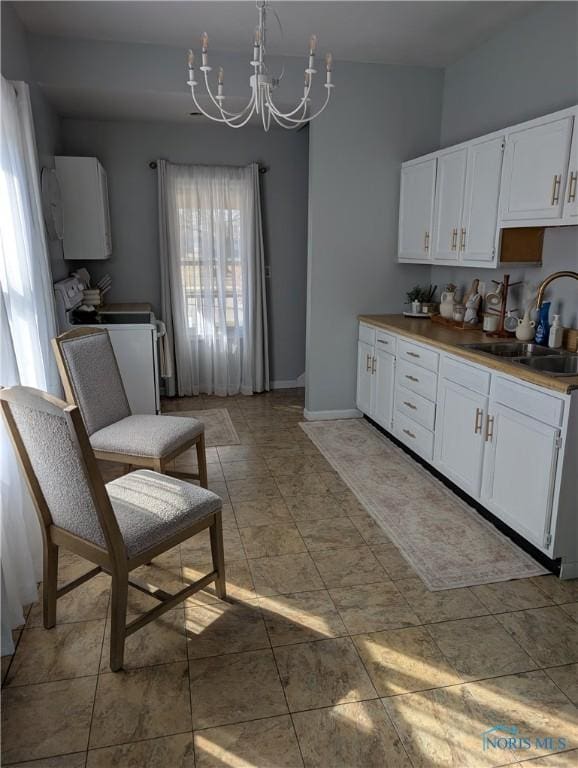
212, 268
26, 326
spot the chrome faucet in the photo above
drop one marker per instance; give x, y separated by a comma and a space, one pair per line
547, 280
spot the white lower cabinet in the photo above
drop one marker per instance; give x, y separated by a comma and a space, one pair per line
375, 383
384, 379
459, 440
364, 376
520, 463
498, 439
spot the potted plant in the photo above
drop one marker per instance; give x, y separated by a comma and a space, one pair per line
420, 298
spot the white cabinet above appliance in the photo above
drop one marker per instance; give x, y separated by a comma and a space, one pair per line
85, 211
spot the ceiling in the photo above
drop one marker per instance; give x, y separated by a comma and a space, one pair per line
418, 33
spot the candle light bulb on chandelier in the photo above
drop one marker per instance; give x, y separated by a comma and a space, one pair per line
312, 45
221, 77
190, 58
204, 42
329, 61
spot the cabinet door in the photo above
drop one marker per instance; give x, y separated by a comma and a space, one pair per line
383, 388
416, 210
364, 376
571, 196
479, 227
448, 205
534, 177
519, 472
459, 442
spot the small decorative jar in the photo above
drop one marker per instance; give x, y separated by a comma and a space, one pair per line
459, 313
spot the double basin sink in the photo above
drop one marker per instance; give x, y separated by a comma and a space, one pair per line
541, 359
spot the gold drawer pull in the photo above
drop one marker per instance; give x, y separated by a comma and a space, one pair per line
556, 189
410, 434
478, 422
489, 428
382, 341
413, 354
411, 378
572, 187
410, 405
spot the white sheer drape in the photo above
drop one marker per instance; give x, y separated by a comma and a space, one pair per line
212, 264
26, 326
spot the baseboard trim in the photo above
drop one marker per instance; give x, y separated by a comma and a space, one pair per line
350, 413
297, 383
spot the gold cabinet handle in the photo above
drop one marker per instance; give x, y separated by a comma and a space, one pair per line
572, 187
478, 421
382, 341
489, 427
556, 189
373, 364
368, 362
426, 241
413, 354
407, 432
411, 378
454, 241
463, 239
410, 405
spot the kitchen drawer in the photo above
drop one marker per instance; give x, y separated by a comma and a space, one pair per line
367, 334
422, 356
537, 405
415, 407
417, 379
467, 375
386, 342
412, 434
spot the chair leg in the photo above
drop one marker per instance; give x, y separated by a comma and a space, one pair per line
202, 461
119, 598
49, 584
218, 555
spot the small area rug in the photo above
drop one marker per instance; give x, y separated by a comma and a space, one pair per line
446, 541
219, 429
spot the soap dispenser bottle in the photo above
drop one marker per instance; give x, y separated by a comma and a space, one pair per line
555, 335
543, 325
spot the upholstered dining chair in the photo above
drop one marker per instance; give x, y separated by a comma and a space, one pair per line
92, 380
118, 526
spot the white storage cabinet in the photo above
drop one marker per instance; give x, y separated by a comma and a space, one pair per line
85, 209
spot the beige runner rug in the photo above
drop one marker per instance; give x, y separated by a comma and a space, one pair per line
446, 541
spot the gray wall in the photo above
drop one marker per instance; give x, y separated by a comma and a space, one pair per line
528, 69
16, 66
381, 116
125, 149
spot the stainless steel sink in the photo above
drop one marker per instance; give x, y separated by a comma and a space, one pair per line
554, 365
512, 349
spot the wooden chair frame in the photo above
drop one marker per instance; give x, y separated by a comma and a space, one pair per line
159, 464
113, 559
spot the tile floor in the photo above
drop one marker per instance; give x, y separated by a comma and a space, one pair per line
329, 652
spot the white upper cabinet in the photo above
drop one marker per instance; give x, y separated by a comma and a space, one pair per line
570, 214
535, 169
85, 211
478, 230
449, 197
418, 180
454, 202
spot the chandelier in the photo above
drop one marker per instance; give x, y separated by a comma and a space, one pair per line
262, 85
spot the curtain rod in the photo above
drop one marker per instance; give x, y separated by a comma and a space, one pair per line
262, 168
